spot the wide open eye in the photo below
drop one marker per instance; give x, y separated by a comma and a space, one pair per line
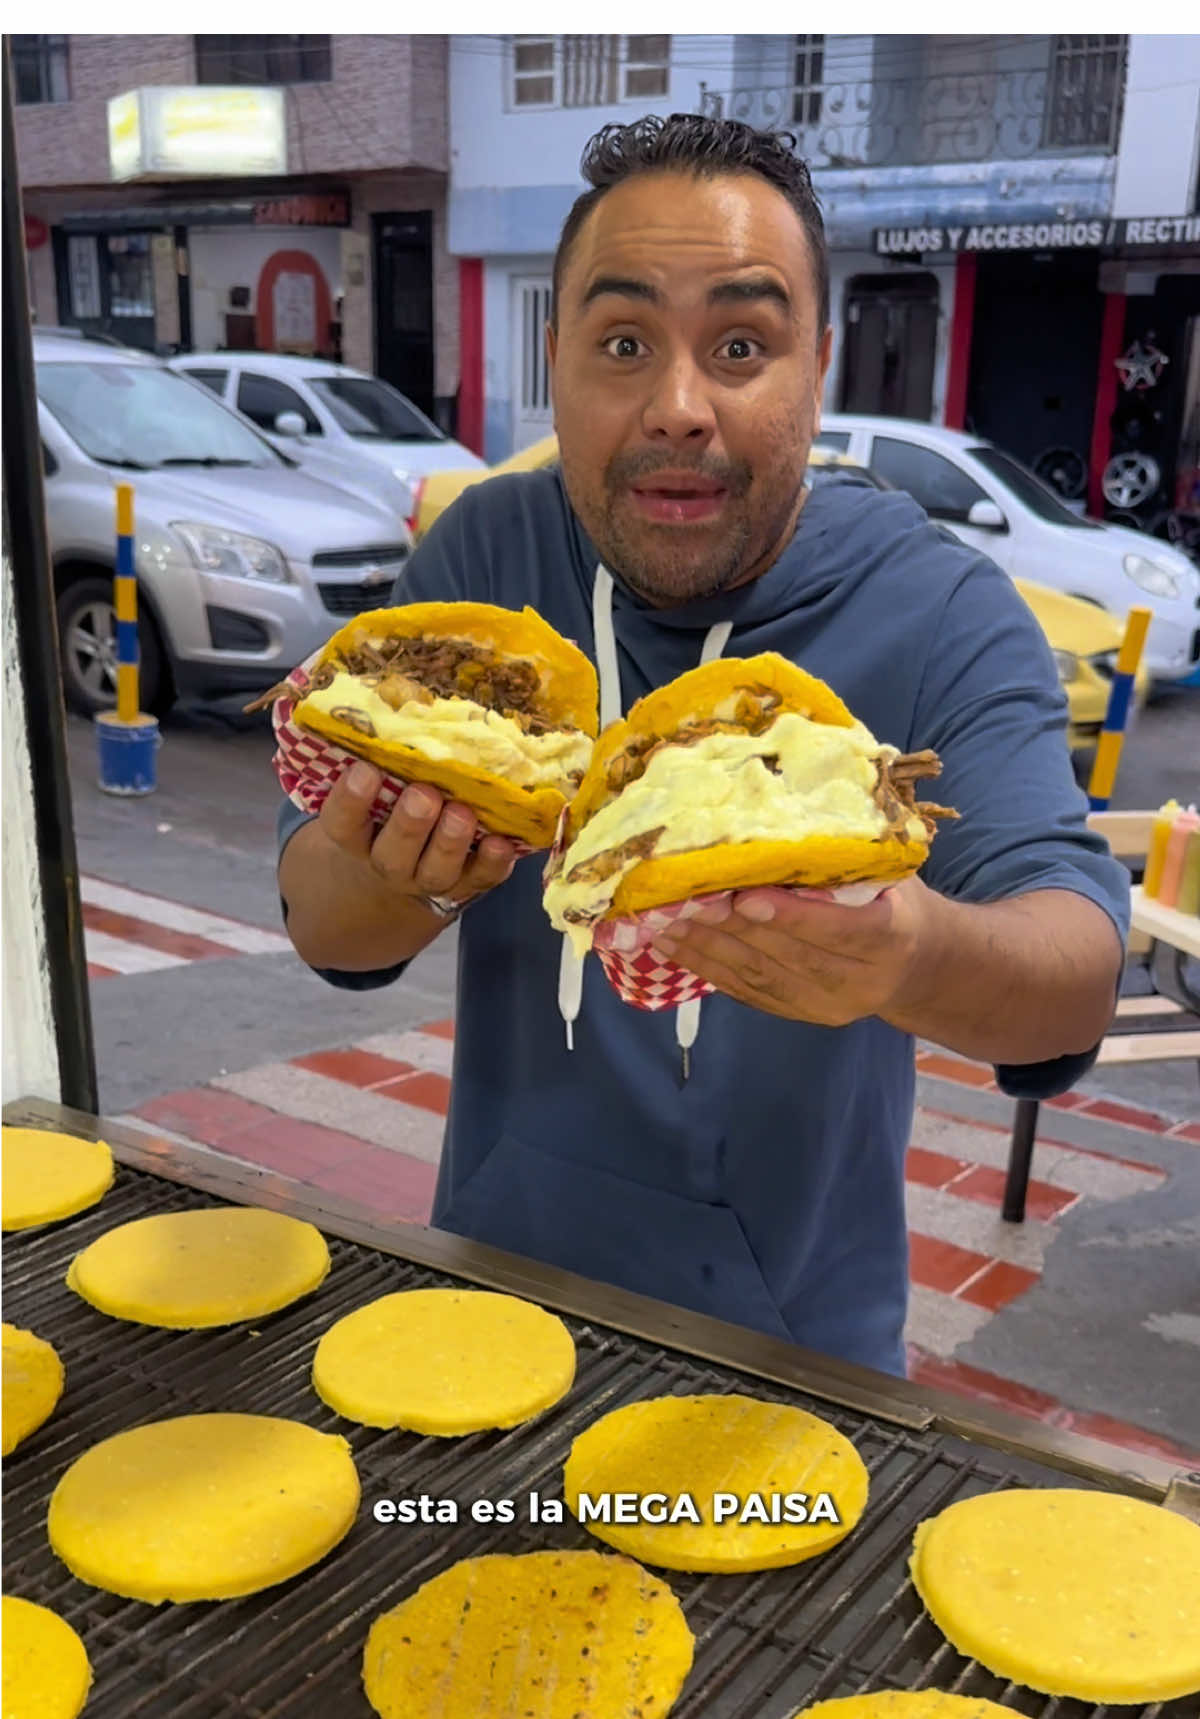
623, 346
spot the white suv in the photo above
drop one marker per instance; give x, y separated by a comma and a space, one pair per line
994, 503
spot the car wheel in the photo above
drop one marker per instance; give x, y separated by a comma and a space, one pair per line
87, 637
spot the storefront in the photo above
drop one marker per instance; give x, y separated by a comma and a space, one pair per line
1074, 346
262, 273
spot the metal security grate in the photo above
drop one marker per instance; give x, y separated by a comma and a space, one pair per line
767, 1645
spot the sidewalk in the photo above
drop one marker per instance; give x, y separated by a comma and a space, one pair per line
1086, 1317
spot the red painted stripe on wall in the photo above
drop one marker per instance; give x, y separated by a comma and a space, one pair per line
470, 353
958, 368
1112, 337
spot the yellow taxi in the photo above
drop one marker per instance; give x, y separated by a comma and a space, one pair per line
1085, 639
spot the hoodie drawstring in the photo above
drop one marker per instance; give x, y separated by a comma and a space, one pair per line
608, 673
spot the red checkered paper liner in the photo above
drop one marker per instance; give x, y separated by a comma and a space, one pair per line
625, 950
308, 764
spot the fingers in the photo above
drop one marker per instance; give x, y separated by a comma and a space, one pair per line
490, 865
346, 815
424, 848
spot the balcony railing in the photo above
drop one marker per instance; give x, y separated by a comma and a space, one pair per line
985, 116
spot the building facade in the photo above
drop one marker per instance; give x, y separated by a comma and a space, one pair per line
336, 246
1008, 217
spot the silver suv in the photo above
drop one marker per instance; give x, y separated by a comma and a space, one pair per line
245, 564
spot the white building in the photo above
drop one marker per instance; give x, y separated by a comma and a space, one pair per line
959, 177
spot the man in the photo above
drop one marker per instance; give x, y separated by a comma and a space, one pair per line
689, 343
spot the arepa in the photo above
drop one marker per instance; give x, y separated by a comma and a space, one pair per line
33, 1383
47, 1176
540, 1635
46, 1670
1092, 1595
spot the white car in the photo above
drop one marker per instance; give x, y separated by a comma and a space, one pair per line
327, 415
994, 503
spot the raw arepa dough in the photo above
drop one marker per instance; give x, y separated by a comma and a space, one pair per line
905, 1704
1085, 1594
444, 1361
707, 1444
542, 1635
205, 1507
189, 1270
48, 1176
46, 1669
33, 1383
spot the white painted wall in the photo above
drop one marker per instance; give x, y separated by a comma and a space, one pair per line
30, 1057
494, 145
1159, 146
224, 257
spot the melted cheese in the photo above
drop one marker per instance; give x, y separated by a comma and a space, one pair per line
458, 729
719, 790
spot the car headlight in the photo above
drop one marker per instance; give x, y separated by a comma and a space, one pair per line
232, 553
1152, 576
1067, 664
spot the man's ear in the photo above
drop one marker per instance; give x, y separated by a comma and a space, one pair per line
551, 351
824, 355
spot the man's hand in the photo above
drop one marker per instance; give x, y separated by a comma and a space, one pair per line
1023, 980
803, 958
359, 901
423, 849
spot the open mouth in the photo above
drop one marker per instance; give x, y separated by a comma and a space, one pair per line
679, 500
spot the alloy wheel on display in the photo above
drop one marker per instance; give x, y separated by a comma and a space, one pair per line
1130, 479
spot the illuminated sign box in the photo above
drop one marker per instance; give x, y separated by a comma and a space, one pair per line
210, 132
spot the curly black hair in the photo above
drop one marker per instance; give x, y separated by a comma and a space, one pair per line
694, 143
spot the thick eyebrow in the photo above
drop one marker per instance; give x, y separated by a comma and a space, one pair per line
621, 286
750, 289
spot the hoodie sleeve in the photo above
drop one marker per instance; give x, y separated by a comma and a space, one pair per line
991, 705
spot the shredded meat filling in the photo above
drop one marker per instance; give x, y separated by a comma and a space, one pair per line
418, 670
755, 712
895, 792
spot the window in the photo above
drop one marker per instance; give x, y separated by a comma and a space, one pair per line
837, 440
262, 399
39, 66
1086, 90
214, 379
142, 414
1027, 488
130, 274
808, 80
589, 71
934, 482
263, 59
373, 411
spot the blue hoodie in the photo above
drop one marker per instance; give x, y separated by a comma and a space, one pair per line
768, 1187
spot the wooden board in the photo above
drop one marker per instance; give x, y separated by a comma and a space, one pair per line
1180, 930
1148, 1047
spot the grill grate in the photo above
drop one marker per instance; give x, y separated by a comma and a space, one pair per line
766, 1644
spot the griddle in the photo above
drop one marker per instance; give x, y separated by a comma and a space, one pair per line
767, 1645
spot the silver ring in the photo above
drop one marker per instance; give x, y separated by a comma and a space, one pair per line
442, 905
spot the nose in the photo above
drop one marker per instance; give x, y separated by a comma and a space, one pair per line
678, 408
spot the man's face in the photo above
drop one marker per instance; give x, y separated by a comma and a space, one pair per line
687, 372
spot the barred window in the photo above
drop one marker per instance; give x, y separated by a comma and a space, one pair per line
39, 66
1087, 88
588, 71
264, 59
808, 80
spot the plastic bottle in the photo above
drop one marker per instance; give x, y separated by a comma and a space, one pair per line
1183, 827
1188, 898
1157, 852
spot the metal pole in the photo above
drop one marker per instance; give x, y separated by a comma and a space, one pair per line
37, 636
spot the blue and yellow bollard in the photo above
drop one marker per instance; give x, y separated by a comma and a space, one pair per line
1116, 717
127, 740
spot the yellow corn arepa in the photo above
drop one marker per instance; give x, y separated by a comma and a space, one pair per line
818, 860
33, 1383
46, 1670
188, 1270
702, 1445
444, 1361
907, 1704
568, 695
205, 1507
46, 1176
543, 1635
1072, 1593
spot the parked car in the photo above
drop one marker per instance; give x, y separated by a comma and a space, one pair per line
1085, 640
995, 504
320, 413
245, 563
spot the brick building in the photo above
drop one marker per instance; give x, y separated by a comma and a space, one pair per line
340, 250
